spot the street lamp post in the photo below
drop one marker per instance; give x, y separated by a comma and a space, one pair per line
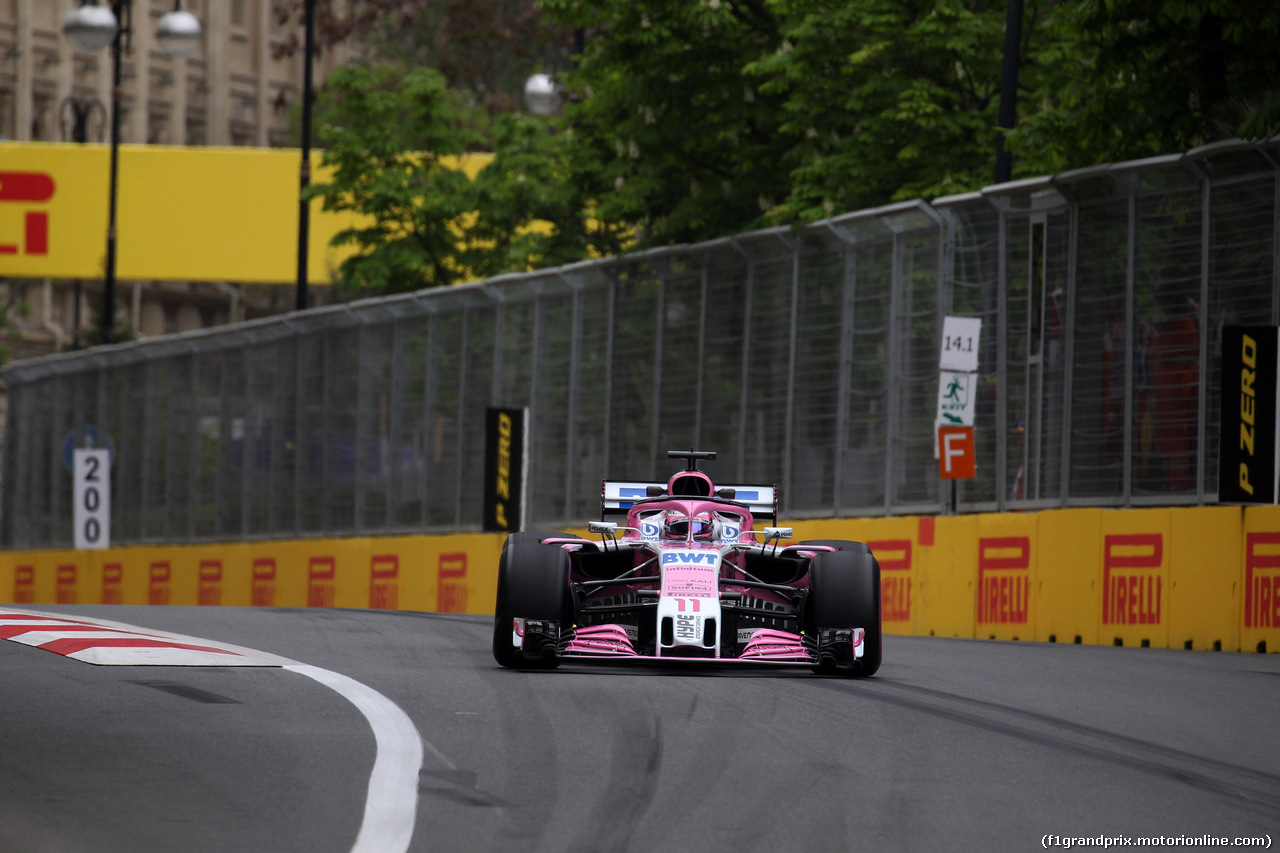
75, 114
304, 170
91, 28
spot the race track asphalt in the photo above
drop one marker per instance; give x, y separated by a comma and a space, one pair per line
955, 745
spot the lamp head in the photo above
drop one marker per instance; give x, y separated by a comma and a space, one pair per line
178, 33
90, 28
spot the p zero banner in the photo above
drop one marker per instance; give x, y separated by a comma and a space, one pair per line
504, 469
1247, 450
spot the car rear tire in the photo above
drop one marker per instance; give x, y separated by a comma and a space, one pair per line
533, 583
844, 592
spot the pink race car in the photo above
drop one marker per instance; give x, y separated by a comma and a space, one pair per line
687, 579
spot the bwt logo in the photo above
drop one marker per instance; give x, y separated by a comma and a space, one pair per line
691, 558
158, 589
451, 591
29, 188
321, 575
1262, 581
112, 583
1131, 588
894, 555
263, 593
210, 592
1004, 579
66, 585
24, 585
384, 574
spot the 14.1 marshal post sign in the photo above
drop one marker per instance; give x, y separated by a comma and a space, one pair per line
505, 446
1247, 448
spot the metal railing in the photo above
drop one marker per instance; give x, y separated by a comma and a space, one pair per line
805, 357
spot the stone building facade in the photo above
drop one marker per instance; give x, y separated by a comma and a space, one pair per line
240, 88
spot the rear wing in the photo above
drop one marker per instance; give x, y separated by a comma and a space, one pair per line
618, 496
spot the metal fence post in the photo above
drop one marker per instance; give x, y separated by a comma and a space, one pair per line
464, 361
845, 372
748, 302
1129, 327
608, 367
893, 367
571, 398
1202, 419
1002, 360
1069, 352
430, 388
702, 350
788, 427
655, 410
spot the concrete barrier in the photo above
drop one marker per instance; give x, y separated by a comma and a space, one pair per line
1195, 578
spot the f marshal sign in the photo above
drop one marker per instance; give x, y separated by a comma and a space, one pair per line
504, 469
1247, 450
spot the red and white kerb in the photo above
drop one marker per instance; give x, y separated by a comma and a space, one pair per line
111, 644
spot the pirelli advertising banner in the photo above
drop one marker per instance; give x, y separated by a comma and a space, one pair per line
185, 213
504, 469
1247, 450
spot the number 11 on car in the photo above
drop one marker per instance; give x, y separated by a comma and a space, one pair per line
92, 496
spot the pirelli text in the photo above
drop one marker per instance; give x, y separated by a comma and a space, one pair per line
1195, 841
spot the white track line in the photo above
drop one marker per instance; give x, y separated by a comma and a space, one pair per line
392, 803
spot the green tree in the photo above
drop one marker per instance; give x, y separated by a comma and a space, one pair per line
686, 144
1136, 78
386, 134
721, 115
534, 201
886, 100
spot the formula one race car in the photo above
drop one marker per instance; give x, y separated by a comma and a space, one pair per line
688, 578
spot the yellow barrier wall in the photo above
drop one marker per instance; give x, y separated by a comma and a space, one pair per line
1202, 578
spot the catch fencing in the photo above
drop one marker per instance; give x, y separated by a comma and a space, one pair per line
805, 357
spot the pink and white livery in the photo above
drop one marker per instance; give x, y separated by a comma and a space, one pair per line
689, 578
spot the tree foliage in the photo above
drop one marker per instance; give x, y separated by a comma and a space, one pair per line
1134, 78
694, 119
884, 100
535, 201
386, 135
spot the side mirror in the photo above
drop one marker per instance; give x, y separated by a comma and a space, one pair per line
604, 528
655, 491
772, 533
726, 492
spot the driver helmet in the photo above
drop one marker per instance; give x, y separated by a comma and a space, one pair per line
676, 525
